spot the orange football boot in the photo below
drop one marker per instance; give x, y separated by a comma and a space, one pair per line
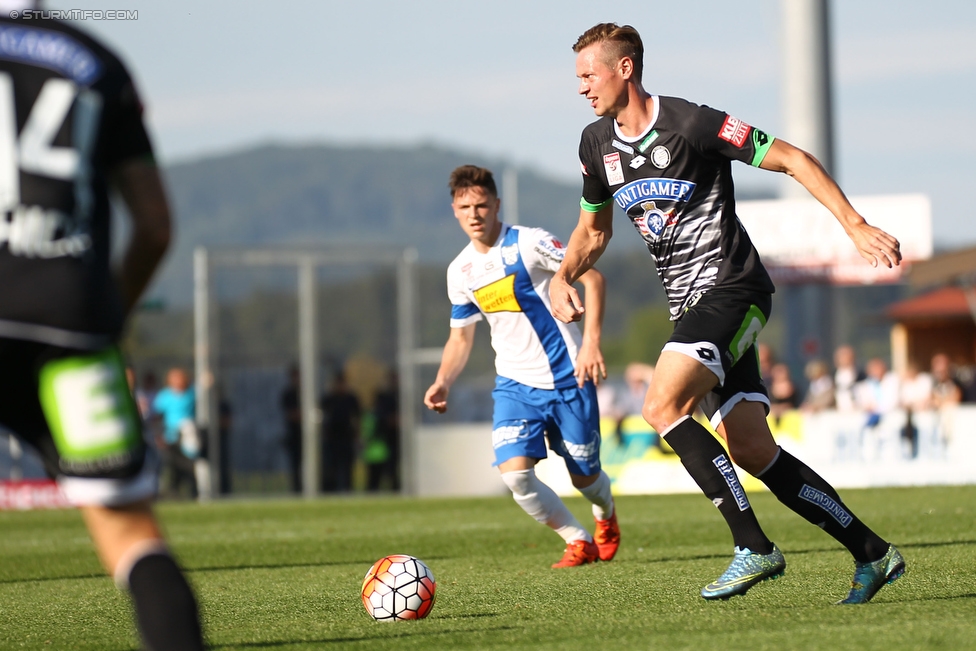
579, 552
607, 536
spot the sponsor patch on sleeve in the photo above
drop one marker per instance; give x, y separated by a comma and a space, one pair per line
552, 249
734, 130
583, 169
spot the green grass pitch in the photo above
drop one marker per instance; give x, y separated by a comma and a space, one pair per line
286, 575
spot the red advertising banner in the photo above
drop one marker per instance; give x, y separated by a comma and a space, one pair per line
30, 494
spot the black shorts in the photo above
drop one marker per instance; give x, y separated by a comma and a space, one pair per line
720, 331
75, 408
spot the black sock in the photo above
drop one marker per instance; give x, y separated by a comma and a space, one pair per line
805, 492
166, 610
708, 464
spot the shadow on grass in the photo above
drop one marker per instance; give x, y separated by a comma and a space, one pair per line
274, 566
208, 568
948, 597
278, 566
362, 638
792, 552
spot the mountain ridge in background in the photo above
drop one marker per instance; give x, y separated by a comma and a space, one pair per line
333, 195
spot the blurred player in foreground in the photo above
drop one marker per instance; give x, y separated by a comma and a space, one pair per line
546, 371
70, 125
667, 164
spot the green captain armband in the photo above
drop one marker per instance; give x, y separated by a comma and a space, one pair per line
761, 142
594, 207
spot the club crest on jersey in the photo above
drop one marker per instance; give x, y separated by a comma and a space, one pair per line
642, 190
653, 222
734, 130
615, 173
510, 254
661, 157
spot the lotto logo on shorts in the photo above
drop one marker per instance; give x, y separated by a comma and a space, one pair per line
728, 473
827, 503
508, 434
734, 130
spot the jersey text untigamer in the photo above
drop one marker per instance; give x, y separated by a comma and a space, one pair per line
644, 189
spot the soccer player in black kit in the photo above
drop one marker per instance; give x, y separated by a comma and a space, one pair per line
70, 128
667, 164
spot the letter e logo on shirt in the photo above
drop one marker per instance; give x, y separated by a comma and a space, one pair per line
615, 173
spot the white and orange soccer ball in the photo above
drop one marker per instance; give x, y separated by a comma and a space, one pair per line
398, 587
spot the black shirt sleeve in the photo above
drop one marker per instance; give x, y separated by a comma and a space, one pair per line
596, 194
714, 132
123, 133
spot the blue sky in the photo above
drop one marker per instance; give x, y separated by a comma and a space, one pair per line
498, 78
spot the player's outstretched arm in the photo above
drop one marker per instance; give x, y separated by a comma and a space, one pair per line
455, 356
589, 360
874, 245
586, 245
141, 187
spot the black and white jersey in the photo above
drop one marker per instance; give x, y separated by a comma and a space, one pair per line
674, 182
68, 115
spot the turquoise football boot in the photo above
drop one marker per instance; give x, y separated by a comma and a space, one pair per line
871, 577
747, 569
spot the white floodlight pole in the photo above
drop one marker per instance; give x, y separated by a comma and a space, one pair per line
808, 122
406, 334
510, 206
204, 324
308, 371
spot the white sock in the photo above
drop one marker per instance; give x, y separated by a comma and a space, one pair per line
599, 494
542, 503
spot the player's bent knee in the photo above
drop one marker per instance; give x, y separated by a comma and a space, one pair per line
659, 415
582, 481
520, 482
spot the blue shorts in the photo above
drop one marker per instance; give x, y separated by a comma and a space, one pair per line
525, 417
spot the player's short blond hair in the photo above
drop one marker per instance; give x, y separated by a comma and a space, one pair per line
618, 42
472, 176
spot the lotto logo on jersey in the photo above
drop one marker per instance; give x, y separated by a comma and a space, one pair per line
734, 130
615, 173
498, 296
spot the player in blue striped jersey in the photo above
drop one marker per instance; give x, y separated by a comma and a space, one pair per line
546, 369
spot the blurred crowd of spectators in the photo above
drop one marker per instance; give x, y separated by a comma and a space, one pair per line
873, 389
877, 390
